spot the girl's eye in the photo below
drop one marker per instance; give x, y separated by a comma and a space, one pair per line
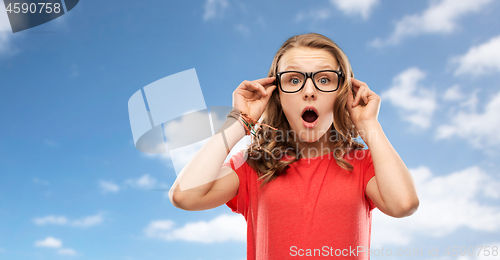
295, 81
324, 81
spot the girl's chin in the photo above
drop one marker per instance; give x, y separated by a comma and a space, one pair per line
310, 135
309, 138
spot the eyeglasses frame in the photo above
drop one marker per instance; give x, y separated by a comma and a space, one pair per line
311, 75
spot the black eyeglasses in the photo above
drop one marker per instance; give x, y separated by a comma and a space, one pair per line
323, 80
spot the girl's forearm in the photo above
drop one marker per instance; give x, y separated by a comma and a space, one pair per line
394, 180
198, 175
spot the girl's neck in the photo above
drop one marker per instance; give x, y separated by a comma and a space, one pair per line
314, 149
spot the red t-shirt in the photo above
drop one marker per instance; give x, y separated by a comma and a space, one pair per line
315, 210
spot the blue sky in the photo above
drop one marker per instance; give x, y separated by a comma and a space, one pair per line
73, 186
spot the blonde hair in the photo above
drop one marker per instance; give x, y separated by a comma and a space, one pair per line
268, 148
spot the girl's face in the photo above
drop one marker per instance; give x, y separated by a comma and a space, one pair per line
309, 111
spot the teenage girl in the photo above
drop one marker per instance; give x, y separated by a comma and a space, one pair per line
305, 186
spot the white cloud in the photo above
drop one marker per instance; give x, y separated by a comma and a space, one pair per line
453, 93
188, 129
243, 29
54, 220
63, 221
67, 251
107, 186
162, 156
439, 18
87, 221
447, 203
480, 129
466, 102
315, 15
416, 103
355, 7
220, 229
52, 242
157, 228
362, 8
471, 102
214, 8
39, 181
481, 59
49, 242
145, 182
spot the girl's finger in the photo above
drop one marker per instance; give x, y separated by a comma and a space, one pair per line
251, 86
355, 89
358, 97
365, 96
250, 89
265, 81
350, 100
269, 91
350, 97
260, 88
357, 83
248, 94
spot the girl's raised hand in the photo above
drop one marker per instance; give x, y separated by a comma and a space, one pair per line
251, 97
364, 106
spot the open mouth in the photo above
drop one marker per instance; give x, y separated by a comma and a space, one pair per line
310, 117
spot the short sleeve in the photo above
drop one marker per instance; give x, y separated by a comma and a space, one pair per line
239, 203
369, 172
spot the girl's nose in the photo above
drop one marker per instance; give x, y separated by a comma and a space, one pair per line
309, 90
